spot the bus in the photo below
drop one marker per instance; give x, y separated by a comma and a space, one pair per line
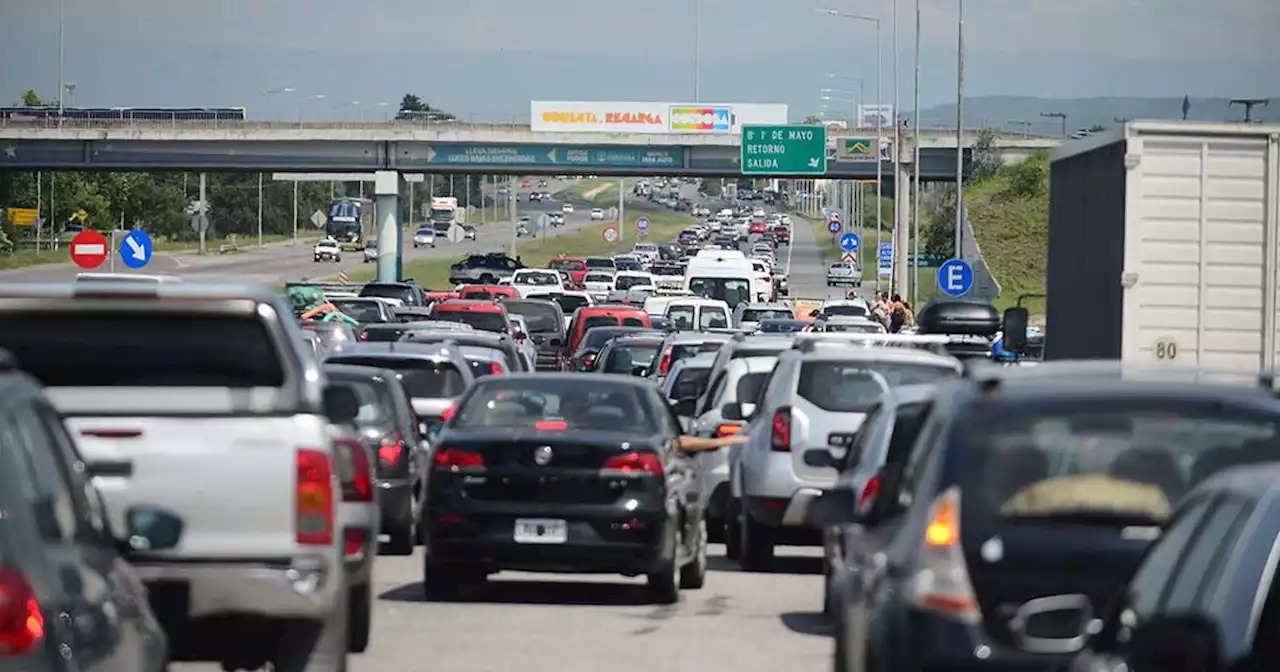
350, 221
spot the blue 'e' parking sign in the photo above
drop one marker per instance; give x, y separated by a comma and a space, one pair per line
955, 277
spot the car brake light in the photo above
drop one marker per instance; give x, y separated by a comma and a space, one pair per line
551, 425
869, 493
448, 412
495, 369
390, 449
313, 522
942, 584
453, 458
353, 539
665, 365
21, 621
727, 429
780, 432
635, 463
359, 487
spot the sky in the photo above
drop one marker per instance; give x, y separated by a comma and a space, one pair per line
486, 59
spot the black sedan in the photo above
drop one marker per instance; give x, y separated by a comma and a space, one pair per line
563, 473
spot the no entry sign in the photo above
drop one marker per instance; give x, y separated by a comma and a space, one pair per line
89, 249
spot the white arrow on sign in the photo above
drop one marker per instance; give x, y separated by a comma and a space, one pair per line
552, 155
136, 249
431, 154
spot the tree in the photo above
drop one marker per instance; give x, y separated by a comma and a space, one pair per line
413, 107
32, 99
986, 156
813, 120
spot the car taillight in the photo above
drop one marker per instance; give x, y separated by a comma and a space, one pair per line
942, 584
313, 522
353, 539
635, 463
364, 335
389, 450
588, 360
21, 621
727, 429
869, 493
551, 425
780, 431
495, 369
665, 365
453, 458
448, 412
359, 487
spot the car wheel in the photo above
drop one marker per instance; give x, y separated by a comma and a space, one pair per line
694, 574
756, 552
487, 279
401, 540
715, 530
664, 586
732, 529
337, 260
360, 619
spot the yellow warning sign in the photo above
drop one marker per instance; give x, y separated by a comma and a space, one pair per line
22, 216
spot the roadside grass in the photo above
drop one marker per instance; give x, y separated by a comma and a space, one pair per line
23, 258
434, 273
1010, 217
595, 192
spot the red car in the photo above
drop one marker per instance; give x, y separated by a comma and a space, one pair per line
487, 292
576, 267
782, 234
755, 227
482, 315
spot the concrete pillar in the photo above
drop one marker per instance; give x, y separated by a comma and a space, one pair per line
386, 188
902, 219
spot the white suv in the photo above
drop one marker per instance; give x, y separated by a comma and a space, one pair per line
597, 214
844, 273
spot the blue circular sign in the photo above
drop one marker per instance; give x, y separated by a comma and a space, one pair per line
834, 226
850, 242
955, 277
642, 223
135, 248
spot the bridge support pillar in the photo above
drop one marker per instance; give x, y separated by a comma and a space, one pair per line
902, 219
386, 188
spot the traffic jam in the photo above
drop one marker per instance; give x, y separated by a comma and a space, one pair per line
210, 473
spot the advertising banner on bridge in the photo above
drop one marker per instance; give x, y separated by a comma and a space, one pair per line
658, 118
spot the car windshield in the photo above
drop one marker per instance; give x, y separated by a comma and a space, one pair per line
422, 378
730, 290
583, 403
853, 386
540, 318
623, 282
485, 320
360, 311
536, 279
625, 357
1119, 461
599, 262
426, 232
758, 314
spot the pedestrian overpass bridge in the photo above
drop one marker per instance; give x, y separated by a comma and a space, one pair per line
431, 148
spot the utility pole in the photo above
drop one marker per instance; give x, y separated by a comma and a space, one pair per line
1249, 104
259, 209
203, 213
1057, 115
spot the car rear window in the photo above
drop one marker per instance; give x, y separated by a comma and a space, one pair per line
405, 294
691, 383
599, 263
624, 358
623, 282
599, 321
541, 319
598, 277
374, 407
687, 350
748, 387
483, 320
381, 334
586, 402
422, 379
360, 311
564, 265
758, 314
851, 387
143, 348
846, 309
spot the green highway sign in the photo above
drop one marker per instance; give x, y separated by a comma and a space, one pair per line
784, 150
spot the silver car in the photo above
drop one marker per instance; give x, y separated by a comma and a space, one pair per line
685, 381
424, 237
815, 401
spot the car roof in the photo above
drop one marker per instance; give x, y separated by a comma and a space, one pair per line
626, 380
677, 337
464, 305
392, 350
858, 352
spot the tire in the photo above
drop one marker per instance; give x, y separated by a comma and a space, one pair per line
401, 540
715, 530
307, 646
732, 529
487, 279
693, 575
664, 586
756, 550
360, 619
439, 582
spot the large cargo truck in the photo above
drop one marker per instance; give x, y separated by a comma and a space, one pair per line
1164, 246
445, 213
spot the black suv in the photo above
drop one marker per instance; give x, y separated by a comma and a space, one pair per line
483, 269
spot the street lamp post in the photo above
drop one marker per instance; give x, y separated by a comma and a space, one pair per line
62, 54
268, 92
318, 96
915, 173
879, 123
697, 51
959, 128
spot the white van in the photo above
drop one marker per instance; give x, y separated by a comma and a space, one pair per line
763, 280
724, 275
696, 314
656, 305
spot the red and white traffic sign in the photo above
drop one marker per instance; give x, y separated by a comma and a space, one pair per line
89, 249
610, 234
849, 256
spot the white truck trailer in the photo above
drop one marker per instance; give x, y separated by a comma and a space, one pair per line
1164, 246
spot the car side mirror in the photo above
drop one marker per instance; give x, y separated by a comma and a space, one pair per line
1176, 644
737, 411
821, 458
149, 529
1014, 328
1054, 625
685, 407
340, 404
837, 506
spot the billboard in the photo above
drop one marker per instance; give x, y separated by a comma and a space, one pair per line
658, 118
871, 116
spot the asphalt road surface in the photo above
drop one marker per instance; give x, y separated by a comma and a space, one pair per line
286, 262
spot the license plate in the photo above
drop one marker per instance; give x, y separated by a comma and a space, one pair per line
841, 440
541, 531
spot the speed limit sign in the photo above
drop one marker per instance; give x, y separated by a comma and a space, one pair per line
610, 234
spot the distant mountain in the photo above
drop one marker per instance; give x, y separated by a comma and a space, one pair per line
1012, 112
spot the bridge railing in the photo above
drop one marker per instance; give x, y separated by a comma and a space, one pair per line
237, 124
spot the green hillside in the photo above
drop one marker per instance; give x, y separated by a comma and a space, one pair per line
1009, 213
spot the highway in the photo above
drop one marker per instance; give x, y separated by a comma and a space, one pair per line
285, 262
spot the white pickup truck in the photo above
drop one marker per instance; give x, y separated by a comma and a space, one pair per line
200, 402
328, 250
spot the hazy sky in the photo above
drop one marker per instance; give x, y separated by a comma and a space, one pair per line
488, 58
